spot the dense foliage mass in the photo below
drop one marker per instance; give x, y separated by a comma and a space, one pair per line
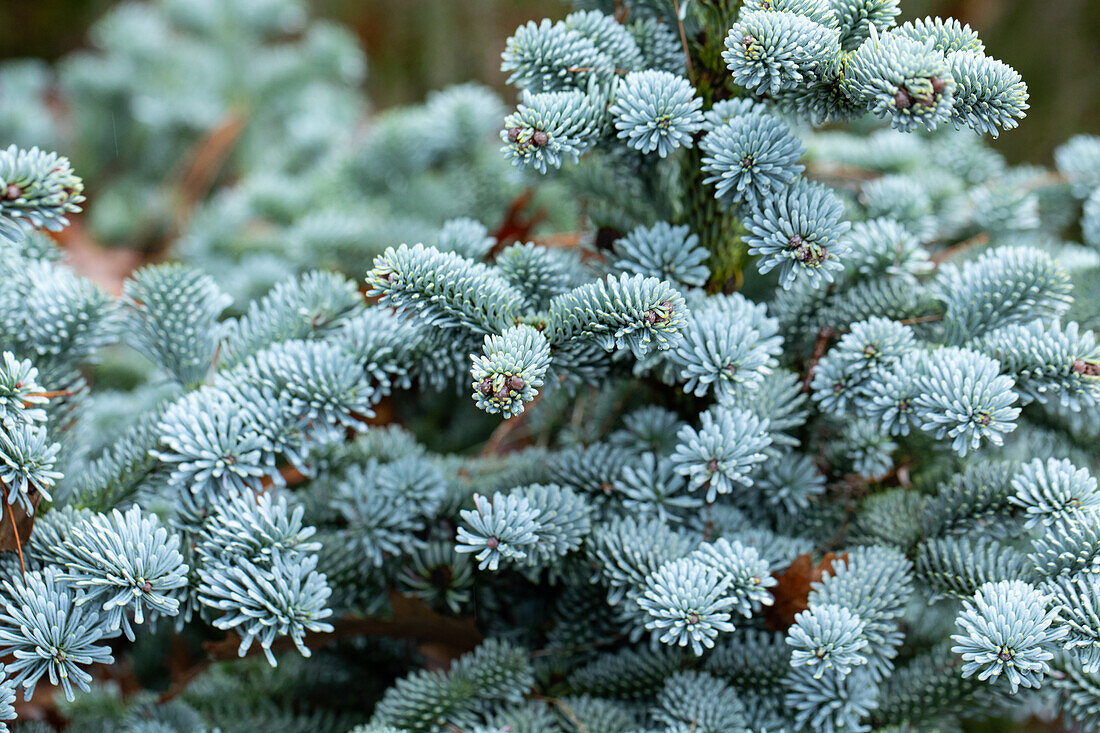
794, 430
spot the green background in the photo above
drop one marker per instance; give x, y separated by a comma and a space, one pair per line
418, 45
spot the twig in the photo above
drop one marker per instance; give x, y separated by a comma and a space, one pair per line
51, 395
505, 429
577, 417
560, 704
948, 252
841, 172
15, 530
921, 319
836, 537
412, 619
823, 337
206, 160
577, 69
684, 41
26, 519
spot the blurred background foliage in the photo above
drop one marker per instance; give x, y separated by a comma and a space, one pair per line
418, 45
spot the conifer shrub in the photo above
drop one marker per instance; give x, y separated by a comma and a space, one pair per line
793, 430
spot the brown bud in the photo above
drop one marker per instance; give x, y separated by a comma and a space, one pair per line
147, 587
515, 382
712, 465
492, 543
658, 314
811, 255
513, 134
1088, 368
485, 386
13, 192
938, 85
540, 138
902, 100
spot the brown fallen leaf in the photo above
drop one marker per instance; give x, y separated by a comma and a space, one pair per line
792, 592
560, 240
198, 171
23, 526
107, 267
518, 226
569, 240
